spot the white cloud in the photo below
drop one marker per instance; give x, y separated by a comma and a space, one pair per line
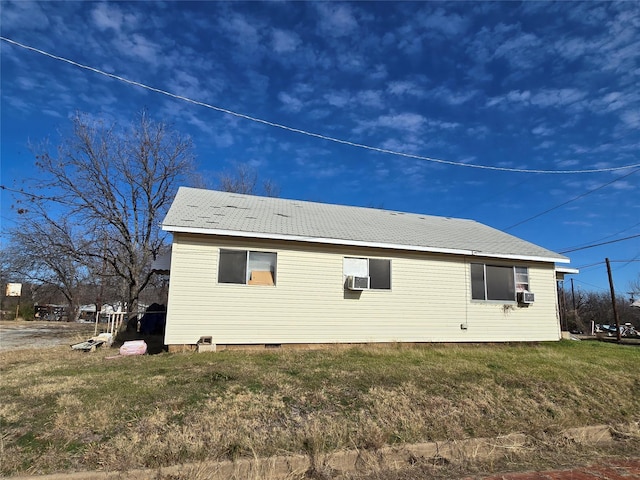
284, 41
107, 16
242, 31
186, 85
448, 24
446, 95
350, 62
631, 118
402, 121
415, 86
336, 19
571, 48
52, 113
24, 15
614, 46
138, 46
568, 163
514, 96
370, 98
337, 99
478, 131
624, 185
442, 125
223, 139
614, 101
542, 131
402, 87
545, 98
588, 13
379, 72
546, 144
521, 50
290, 103
557, 97
245, 36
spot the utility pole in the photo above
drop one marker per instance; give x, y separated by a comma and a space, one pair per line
576, 319
613, 300
561, 306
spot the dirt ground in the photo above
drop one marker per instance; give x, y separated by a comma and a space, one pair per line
606, 470
22, 334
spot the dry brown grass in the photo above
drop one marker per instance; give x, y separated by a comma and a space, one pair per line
62, 410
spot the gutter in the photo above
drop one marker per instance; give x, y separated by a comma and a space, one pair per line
356, 243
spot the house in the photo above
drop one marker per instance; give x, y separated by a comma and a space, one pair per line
256, 270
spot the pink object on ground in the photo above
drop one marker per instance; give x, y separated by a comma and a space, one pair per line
134, 347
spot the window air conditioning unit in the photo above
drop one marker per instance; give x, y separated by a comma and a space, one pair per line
358, 283
526, 297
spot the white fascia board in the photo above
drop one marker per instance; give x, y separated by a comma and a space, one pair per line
567, 270
356, 243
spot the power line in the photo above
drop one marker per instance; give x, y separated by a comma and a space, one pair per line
603, 238
591, 265
305, 132
572, 199
600, 244
591, 285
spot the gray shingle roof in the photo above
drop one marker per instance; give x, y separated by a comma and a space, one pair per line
213, 212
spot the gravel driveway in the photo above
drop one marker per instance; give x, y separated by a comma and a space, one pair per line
14, 335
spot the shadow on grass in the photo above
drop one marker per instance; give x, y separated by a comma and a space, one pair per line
155, 343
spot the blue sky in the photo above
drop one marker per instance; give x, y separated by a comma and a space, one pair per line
517, 86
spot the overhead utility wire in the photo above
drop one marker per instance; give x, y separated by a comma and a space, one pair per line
601, 243
591, 265
312, 134
634, 259
568, 249
573, 199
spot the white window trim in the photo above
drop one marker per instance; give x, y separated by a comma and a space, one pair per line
246, 270
345, 275
515, 283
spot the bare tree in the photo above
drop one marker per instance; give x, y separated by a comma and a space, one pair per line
595, 307
46, 253
244, 179
111, 187
634, 288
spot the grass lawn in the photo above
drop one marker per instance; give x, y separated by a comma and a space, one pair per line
63, 410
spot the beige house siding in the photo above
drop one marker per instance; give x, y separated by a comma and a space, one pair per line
429, 300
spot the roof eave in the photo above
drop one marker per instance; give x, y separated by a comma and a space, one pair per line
567, 270
356, 243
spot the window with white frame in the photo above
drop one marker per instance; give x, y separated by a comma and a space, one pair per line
377, 269
498, 282
522, 279
247, 267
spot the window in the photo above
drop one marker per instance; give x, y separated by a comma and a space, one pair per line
522, 279
246, 267
499, 283
378, 270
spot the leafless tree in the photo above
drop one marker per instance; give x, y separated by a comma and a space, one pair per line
46, 253
111, 187
244, 179
634, 288
592, 306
